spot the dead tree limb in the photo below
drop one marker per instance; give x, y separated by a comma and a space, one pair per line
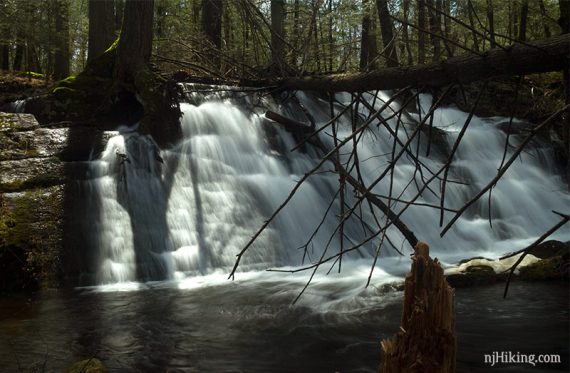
525, 251
344, 174
504, 169
536, 57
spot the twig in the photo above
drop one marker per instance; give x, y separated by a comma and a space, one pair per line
525, 251
503, 169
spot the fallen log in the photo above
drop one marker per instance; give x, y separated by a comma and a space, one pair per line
519, 59
426, 341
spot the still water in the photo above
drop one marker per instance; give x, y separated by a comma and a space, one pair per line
250, 326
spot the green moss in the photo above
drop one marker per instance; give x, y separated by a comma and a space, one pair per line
88, 366
28, 74
30, 222
546, 269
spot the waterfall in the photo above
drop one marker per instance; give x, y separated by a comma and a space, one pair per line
186, 211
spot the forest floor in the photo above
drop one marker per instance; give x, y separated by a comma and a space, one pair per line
18, 86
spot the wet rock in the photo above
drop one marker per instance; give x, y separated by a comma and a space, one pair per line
10, 122
475, 275
92, 365
550, 249
31, 236
553, 268
481, 271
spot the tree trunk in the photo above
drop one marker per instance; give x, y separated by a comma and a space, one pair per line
520, 59
135, 44
544, 17
406, 8
490, 18
101, 26
368, 40
421, 34
18, 56
277, 32
434, 30
426, 341
564, 20
524, 17
5, 57
61, 63
386, 29
212, 26
447, 26
473, 29
295, 40
4, 39
119, 11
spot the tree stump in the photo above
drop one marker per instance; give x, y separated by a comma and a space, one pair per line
426, 340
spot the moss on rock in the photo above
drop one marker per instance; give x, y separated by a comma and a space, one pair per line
92, 365
31, 235
554, 268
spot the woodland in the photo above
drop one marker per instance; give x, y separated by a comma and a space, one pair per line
89, 66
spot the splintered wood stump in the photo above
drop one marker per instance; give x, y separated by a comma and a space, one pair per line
426, 340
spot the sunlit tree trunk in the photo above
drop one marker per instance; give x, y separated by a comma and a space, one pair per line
101, 26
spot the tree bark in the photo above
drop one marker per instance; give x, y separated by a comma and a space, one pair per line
473, 29
18, 55
212, 26
277, 31
426, 341
524, 18
368, 40
61, 63
520, 59
119, 11
544, 17
386, 29
135, 44
421, 34
406, 8
491, 19
435, 30
101, 26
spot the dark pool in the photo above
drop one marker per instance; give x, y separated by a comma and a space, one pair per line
253, 328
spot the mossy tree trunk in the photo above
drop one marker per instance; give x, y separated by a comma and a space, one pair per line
133, 73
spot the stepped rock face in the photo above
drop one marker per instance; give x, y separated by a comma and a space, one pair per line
38, 170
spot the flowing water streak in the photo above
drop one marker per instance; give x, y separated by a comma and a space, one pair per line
186, 211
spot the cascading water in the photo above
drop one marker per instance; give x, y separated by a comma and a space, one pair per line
188, 210
181, 214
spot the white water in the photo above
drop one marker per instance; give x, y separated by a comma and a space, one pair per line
184, 214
